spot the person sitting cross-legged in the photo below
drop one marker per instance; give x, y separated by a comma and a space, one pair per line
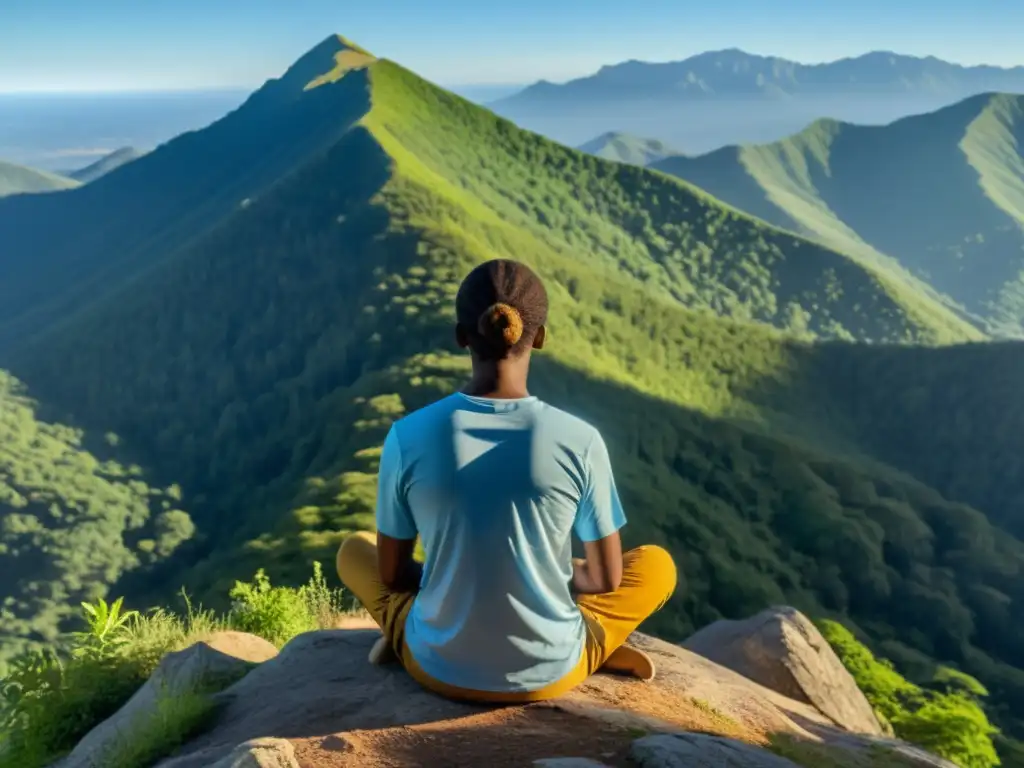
496, 482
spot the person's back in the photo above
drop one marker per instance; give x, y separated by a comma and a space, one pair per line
495, 483
495, 489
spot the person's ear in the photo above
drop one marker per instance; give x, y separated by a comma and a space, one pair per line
461, 337
538, 340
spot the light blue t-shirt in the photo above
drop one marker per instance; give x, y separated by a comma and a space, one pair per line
495, 489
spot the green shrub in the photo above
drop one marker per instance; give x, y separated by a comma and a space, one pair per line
953, 726
949, 722
280, 613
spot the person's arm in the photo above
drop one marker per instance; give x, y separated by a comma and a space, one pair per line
396, 528
599, 518
398, 571
601, 570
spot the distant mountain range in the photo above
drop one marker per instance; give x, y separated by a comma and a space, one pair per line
626, 148
942, 193
732, 97
17, 179
232, 322
733, 73
105, 164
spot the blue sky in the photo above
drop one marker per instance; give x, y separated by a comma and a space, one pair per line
61, 45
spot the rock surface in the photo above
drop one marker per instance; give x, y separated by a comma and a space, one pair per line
696, 750
198, 668
319, 704
781, 649
321, 694
320, 684
260, 753
241, 645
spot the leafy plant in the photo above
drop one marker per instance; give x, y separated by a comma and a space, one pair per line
108, 627
280, 613
276, 613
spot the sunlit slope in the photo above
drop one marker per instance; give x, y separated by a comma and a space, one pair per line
674, 240
942, 193
17, 179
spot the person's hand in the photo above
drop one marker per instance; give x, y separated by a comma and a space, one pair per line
600, 572
581, 581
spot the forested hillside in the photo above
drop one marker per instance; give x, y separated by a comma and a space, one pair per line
941, 193
275, 301
72, 521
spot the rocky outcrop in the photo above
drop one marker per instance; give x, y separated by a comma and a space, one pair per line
205, 666
781, 649
322, 695
319, 703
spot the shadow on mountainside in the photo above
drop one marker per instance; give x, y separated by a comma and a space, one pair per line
205, 178
935, 482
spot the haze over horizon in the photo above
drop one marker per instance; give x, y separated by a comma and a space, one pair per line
241, 45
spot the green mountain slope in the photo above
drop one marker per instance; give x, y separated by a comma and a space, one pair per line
73, 520
942, 193
105, 164
642, 227
626, 148
256, 326
17, 179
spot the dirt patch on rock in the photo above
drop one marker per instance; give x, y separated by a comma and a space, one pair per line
501, 738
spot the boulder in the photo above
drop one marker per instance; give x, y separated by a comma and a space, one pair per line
197, 668
697, 750
781, 649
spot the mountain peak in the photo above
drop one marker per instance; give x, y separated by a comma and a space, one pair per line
327, 62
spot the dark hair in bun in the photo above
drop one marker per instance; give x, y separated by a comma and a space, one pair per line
501, 305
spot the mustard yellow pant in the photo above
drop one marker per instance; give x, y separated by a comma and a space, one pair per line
648, 580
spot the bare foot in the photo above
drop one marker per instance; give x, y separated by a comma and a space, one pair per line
382, 652
626, 660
